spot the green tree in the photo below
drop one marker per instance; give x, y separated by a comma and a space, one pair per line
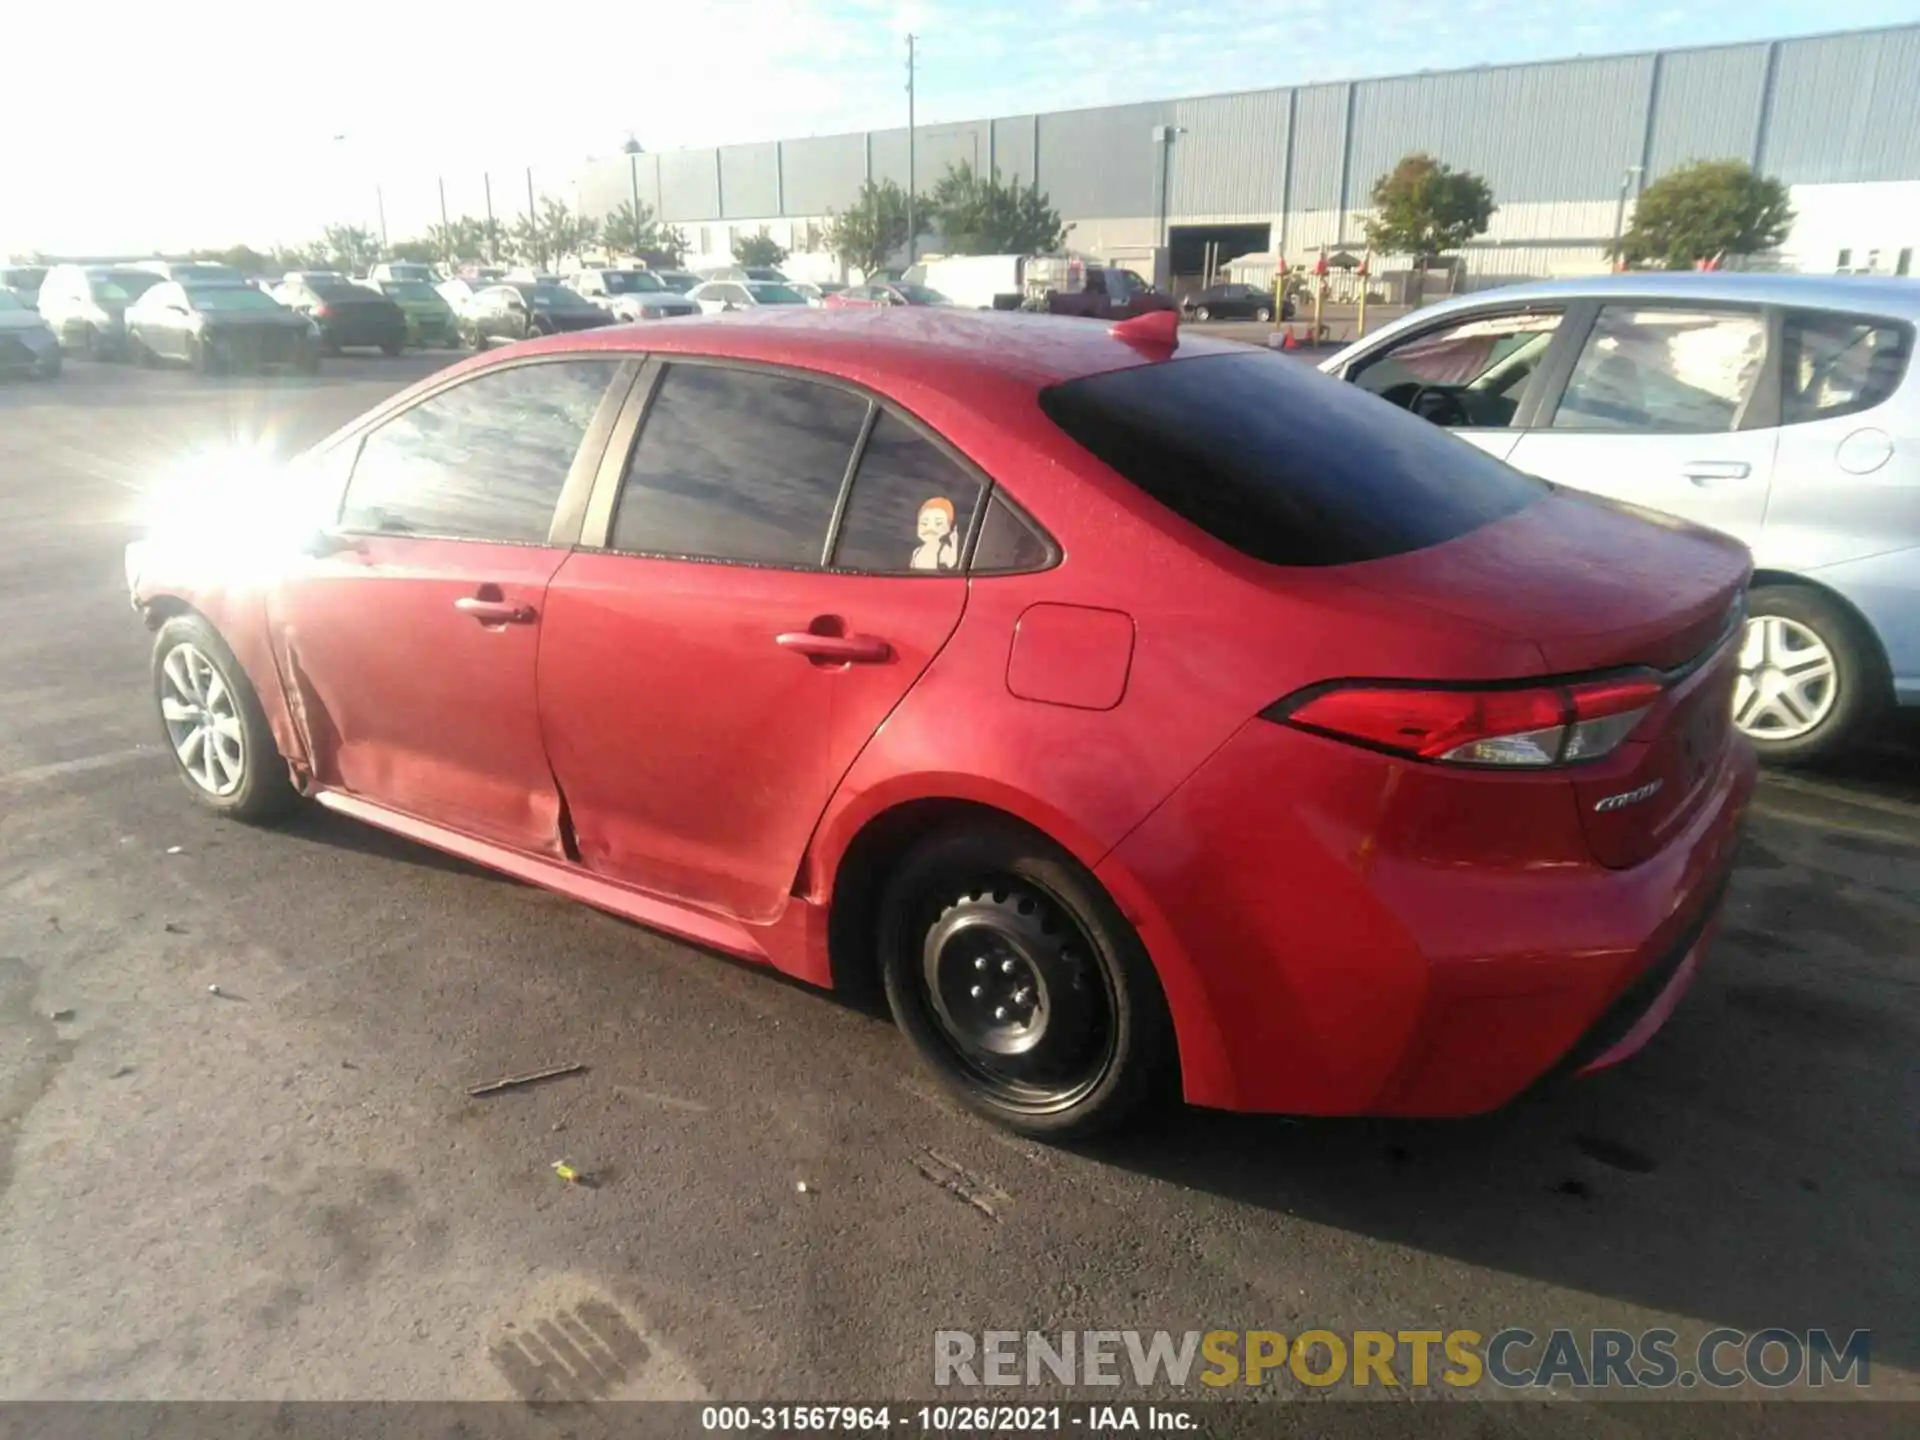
421, 250
1425, 209
628, 231
351, 248
555, 231
867, 235
1706, 210
670, 243
982, 215
758, 249
243, 258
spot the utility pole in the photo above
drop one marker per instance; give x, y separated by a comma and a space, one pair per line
493, 257
445, 229
380, 204
1632, 173
913, 233
633, 185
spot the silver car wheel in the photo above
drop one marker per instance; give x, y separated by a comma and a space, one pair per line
203, 721
1788, 679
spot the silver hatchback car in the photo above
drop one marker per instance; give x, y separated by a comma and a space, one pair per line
1781, 409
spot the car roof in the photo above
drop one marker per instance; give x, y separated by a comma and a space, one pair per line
1895, 295
1030, 351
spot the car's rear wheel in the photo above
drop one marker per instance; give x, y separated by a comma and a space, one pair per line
1020, 984
201, 355
1263, 314
219, 736
392, 348
142, 356
1811, 681
1201, 312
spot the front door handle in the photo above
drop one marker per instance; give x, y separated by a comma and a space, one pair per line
847, 649
1701, 471
494, 612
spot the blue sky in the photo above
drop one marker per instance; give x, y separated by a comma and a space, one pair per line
252, 154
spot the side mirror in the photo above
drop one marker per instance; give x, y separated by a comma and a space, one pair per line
323, 543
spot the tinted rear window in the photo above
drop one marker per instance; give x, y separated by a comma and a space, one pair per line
1283, 463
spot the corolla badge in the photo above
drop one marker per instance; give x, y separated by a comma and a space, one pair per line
1629, 797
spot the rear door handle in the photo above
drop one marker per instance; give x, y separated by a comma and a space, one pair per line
494, 612
848, 649
1700, 471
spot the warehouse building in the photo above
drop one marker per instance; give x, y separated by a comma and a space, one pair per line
1172, 187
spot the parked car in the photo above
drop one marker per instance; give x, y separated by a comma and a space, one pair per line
430, 319
24, 281
1404, 779
219, 327
766, 274
808, 292
401, 270
27, 343
192, 272
520, 311
680, 280
718, 296
1234, 302
632, 294
346, 315
1780, 409
87, 305
459, 292
885, 292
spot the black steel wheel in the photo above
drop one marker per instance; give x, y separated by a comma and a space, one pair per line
1020, 985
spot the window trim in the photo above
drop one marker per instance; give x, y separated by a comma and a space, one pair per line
563, 529
1760, 411
1526, 417
596, 532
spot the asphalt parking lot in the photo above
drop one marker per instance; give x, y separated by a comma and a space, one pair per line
284, 1190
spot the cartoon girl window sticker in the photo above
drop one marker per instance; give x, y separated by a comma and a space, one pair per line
939, 547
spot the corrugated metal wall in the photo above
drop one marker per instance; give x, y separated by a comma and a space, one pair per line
1099, 163
824, 173
1554, 141
750, 180
1707, 106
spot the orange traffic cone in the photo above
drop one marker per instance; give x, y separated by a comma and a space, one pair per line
1288, 342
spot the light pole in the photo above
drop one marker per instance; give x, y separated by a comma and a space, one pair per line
1627, 181
912, 230
1163, 137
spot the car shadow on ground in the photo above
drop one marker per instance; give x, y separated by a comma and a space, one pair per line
318, 826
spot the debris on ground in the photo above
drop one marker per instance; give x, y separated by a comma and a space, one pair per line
514, 1082
803, 1187
572, 1175
173, 849
63, 1015
173, 927
121, 1072
213, 990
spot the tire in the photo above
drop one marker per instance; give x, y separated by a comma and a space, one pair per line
392, 350
1090, 1042
1201, 312
1781, 687
90, 343
202, 358
50, 368
1264, 315
137, 348
307, 362
242, 774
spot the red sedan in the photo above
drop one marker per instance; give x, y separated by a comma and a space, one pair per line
1134, 714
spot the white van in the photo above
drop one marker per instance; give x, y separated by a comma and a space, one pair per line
976, 282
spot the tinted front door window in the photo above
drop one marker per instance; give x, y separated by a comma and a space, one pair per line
485, 460
1663, 371
738, 465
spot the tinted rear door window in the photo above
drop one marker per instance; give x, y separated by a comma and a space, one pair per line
910, 506
1283, 463
738, 465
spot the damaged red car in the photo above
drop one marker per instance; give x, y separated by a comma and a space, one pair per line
1141, 714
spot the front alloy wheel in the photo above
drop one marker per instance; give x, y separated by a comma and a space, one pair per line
1787, 683
214, 724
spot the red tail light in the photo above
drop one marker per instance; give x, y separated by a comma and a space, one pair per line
1541, 725
320, 312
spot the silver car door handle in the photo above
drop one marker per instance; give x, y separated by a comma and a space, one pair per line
1701, 471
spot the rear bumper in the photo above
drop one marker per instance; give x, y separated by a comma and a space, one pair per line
1325, 949
364, 332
